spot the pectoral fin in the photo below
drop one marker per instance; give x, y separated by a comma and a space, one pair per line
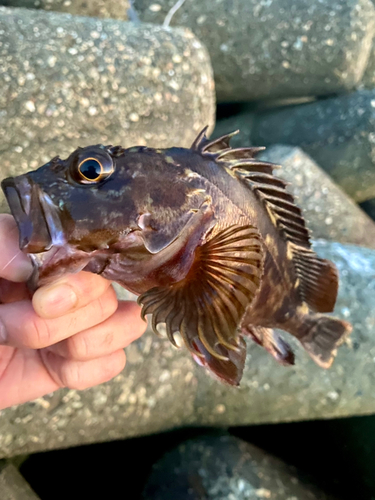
206, 307
227, 370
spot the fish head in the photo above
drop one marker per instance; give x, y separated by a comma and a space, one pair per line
84, 200
75, 207
101, 200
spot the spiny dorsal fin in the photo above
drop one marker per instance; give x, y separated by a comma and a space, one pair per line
279, 204
317, 278
240, 153
115, 150
206, 307
220, 147
200, 140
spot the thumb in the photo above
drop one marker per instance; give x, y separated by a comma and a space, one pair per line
14, 265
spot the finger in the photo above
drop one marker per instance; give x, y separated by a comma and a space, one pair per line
83, 374
68, 294
117, 332
23, 376
14, 264
22, 327
12, 292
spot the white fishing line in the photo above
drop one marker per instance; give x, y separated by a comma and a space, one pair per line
11, 260
172, 12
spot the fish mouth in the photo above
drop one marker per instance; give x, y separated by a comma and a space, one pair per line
34, 212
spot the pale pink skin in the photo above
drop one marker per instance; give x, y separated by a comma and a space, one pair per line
47, 342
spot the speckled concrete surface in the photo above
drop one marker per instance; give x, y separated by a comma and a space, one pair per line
338, 133
329, 212
277, 48
143, 398
368, 80
115, 9
12, 485
368, 206
224, 468
69, 81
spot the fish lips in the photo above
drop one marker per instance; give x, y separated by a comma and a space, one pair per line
34, 212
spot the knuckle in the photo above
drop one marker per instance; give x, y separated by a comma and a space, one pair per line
107, 304
80, 347
71, 376
121, 362
115, 364
108, 339
72, 324
138, 325
39, 333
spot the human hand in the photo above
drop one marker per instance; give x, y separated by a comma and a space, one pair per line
68, 334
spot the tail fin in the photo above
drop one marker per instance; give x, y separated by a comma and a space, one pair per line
323, 338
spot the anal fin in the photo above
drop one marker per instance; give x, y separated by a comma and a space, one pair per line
207, 306
272, 342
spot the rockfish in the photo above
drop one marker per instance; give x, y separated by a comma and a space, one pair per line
208, 237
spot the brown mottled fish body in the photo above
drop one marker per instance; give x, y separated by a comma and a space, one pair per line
208, 237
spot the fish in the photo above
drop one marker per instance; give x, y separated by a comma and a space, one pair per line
208, 237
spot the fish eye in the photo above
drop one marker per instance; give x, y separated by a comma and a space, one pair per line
90, 170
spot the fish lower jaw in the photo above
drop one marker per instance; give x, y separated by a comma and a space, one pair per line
54, 263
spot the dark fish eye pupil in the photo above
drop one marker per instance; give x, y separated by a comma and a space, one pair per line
90, 169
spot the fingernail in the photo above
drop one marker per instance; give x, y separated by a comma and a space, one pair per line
3, 334
57, 299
